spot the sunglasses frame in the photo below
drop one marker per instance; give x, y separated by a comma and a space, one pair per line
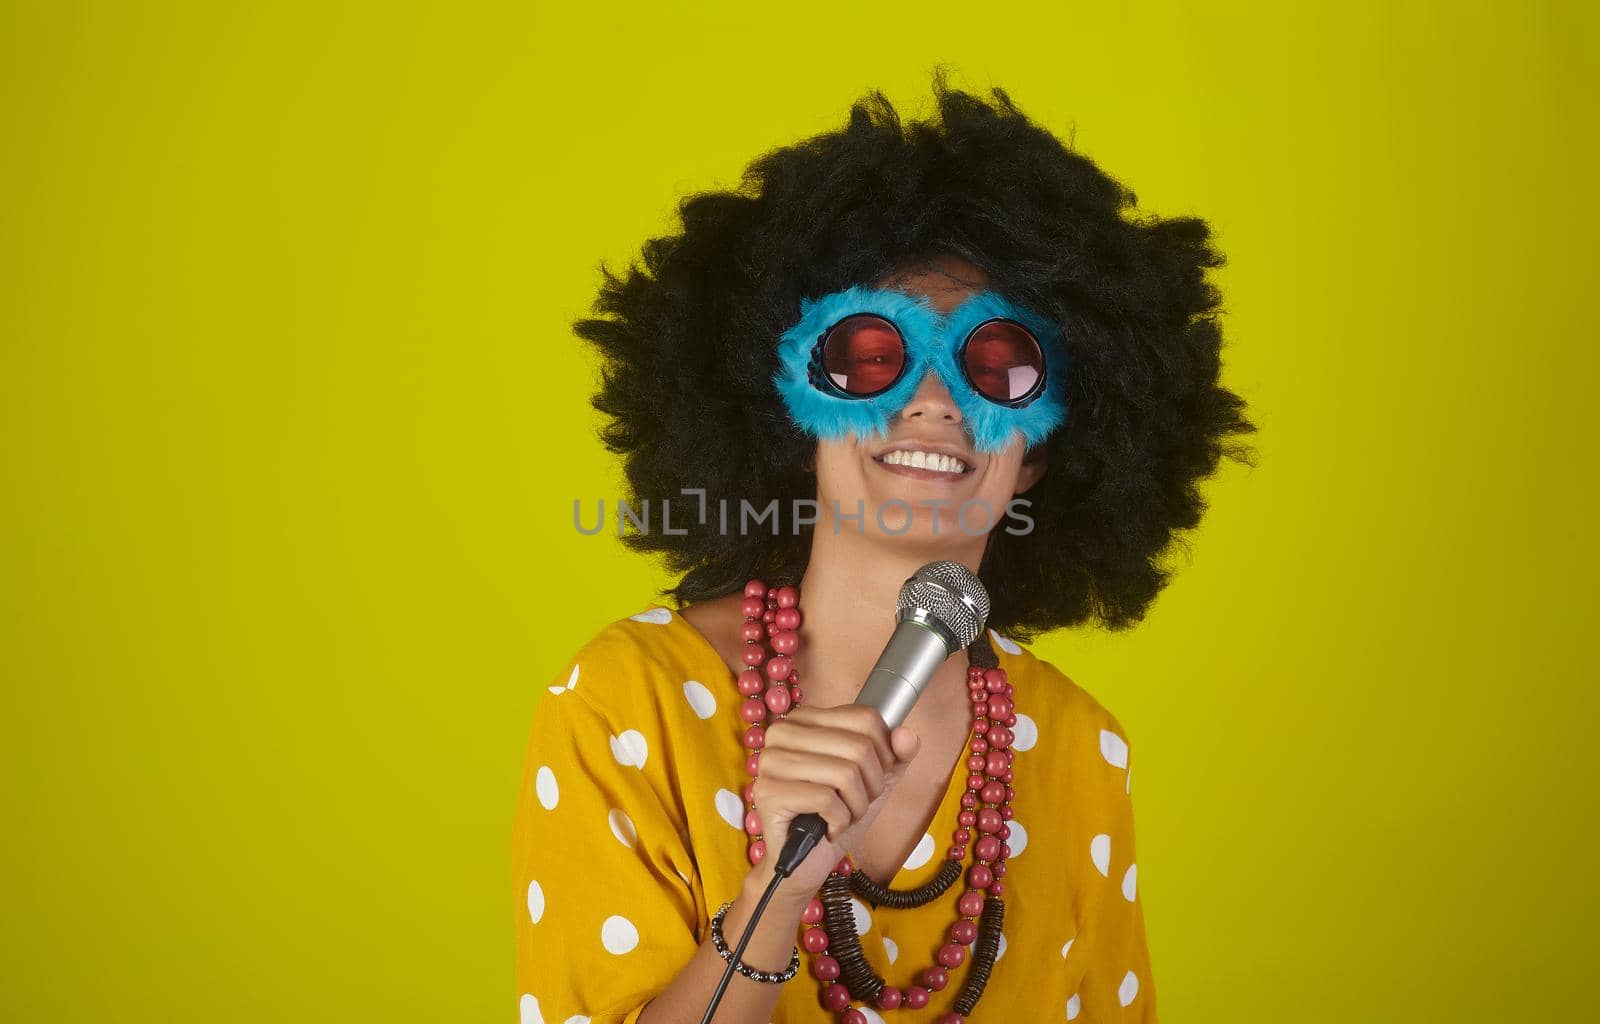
1033, 393
822, 409
817, 371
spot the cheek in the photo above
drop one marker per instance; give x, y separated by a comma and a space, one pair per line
838, 469
1000, 480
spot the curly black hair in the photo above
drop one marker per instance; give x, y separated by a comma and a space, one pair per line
688, 347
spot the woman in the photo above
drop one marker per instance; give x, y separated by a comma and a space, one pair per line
910, 327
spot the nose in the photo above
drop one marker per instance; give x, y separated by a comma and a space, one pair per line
932, 403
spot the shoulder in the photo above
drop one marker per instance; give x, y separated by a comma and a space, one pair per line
645, 662
1052, 703
654, 638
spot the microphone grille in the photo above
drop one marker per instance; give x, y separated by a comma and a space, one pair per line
952, 594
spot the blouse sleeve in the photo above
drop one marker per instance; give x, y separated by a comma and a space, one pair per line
605, 912
1117, 987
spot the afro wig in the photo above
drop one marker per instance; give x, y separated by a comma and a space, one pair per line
689, 349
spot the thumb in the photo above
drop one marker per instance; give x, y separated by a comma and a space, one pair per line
905, 745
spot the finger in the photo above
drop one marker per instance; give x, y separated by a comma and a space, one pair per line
795, 798
828, 736
905, 744
848, 778
865, 720
835, 812
844, 777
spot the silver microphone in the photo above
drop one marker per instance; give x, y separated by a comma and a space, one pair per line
942, 608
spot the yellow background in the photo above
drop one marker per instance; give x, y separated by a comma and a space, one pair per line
292, 421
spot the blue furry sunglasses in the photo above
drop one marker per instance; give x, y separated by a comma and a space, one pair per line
856, 357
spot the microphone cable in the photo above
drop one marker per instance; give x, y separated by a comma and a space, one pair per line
941, 608
805, 832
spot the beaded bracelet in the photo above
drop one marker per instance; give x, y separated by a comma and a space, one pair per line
749, 972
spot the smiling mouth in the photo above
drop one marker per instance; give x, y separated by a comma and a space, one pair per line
925, 465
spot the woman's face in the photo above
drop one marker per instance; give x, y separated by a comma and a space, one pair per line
876, 474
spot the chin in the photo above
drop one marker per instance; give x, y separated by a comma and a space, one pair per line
921, 528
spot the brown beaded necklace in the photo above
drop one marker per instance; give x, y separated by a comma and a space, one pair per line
771, 687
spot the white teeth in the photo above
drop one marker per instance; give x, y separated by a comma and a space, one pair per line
925, 460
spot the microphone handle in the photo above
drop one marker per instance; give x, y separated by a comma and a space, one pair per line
908, 661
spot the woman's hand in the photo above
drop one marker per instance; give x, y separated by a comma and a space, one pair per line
839, 762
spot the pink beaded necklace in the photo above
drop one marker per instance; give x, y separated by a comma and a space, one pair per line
771, 687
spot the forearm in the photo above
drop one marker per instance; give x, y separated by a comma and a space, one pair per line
771, 948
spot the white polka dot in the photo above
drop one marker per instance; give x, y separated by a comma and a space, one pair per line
530, 1010
700, 698
1128, 989
618, 935
622, 828
922, 854
891, 948
731, 808
1100, 853
1113, 748
1000, 951
1019, 838
863, 916
655, 616
535, 901
572, 682
576, 1018
544, 784
1024, 734
1004, 644
1073, 1006
870, 1014
630, 748
1067, 948
1130, 882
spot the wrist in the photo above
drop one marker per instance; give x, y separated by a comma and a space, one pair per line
787, 901
724, 947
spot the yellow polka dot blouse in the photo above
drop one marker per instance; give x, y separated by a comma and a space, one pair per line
629, 835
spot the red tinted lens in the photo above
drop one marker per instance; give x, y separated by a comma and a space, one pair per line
863, 354
1004, 361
